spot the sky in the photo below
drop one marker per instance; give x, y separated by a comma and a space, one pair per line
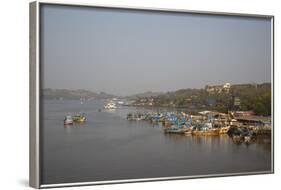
125, 52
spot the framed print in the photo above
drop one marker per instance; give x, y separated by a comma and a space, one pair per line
131, 94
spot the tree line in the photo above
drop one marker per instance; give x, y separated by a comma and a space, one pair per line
245, 97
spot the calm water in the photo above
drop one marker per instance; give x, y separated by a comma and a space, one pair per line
108, 147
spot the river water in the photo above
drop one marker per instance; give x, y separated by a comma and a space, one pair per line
108, 147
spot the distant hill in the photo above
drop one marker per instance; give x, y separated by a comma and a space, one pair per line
144, 94
49, 93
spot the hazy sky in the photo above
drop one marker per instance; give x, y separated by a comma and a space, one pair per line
126, 51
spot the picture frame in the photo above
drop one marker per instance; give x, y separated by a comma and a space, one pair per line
36, 156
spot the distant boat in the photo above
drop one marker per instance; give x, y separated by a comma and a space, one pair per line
110, 105
68, 120
82, 101
80, 118
120, 102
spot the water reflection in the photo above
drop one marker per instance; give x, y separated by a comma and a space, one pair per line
221, 139
69, 128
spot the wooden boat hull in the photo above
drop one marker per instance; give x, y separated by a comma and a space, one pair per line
210, 132
189, 132
175, 131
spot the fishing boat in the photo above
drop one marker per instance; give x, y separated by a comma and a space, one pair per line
80, 118
205, 129
176, 129
241, 134
224, 130
68, 120
110, 105
130, 117
189, 131
206, 132
156, 118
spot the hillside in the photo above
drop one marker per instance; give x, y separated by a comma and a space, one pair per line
144, 94
255, 97
73, 94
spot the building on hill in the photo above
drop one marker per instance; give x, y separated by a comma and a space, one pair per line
218, 88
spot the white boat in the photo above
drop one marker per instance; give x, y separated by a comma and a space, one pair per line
120, 102
68, 120
110, 105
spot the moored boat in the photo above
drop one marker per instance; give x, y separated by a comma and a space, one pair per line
189, 131
68, 120
206, 132
176, 129
80, 118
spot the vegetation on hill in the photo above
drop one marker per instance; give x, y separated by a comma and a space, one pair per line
239, 97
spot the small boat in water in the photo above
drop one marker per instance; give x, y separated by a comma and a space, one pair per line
68, 120
80, 118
